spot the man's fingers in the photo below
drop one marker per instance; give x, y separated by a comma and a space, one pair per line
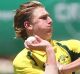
25, 44
38, 38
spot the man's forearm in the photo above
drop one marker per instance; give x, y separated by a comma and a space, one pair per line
51, 65
72, 67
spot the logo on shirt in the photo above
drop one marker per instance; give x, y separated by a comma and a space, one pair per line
63, 59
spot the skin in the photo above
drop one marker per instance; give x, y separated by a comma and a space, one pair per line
42, 24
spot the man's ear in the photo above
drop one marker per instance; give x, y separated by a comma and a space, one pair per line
27, 25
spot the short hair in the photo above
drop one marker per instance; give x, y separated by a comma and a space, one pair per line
24, 13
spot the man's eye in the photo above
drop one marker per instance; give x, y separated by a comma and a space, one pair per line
45, 17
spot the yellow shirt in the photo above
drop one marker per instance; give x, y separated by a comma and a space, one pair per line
27, 62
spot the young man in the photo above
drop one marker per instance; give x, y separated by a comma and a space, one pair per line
32, 19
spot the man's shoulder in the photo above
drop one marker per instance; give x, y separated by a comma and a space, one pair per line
70, 41
20, 57
72, 44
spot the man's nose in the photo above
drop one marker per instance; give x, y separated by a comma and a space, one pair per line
49, 20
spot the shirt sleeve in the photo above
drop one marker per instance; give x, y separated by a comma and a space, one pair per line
73, 45
73, 48
27, 70
24, 65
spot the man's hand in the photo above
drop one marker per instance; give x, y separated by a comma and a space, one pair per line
38, 43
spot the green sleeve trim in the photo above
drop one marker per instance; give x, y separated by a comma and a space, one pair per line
29, 54
72, 54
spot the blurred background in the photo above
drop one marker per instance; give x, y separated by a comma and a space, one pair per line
66, 25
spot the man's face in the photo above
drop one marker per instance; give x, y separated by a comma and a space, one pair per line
42, 23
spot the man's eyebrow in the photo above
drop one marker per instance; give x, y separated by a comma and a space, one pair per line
44, 15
